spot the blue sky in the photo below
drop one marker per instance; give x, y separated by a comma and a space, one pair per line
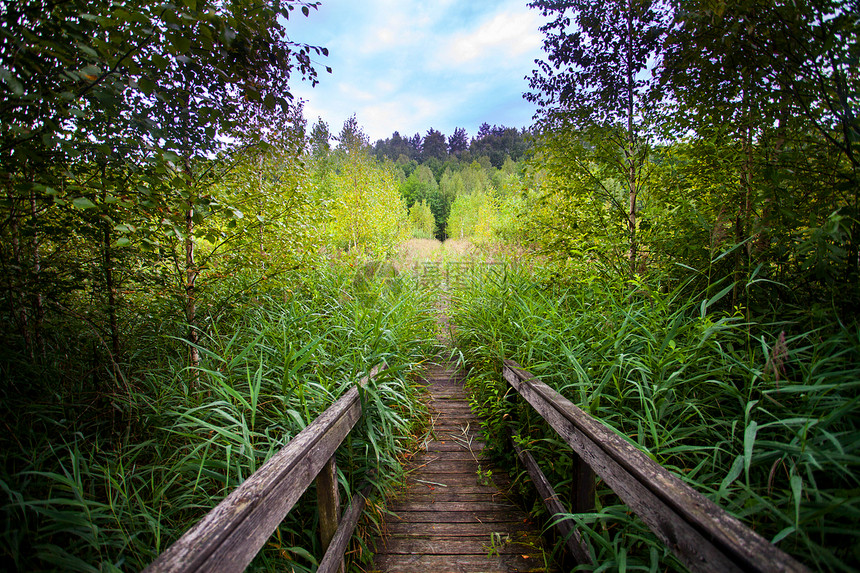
410, 65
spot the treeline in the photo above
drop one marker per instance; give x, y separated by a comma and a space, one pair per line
494, 144
458, 189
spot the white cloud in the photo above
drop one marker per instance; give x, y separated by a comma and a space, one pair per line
408, 65
506, 35
352, 91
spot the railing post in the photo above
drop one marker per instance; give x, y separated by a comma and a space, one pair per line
582, 485
328, 503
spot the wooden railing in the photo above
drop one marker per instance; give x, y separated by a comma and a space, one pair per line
230, 535
701, 534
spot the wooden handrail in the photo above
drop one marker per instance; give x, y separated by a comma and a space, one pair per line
231, 534
700, 533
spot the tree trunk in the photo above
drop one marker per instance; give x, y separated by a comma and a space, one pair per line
38, 300
742, 220
630, 152
17, 286
110, 286
190, 290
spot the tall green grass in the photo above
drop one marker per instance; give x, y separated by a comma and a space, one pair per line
762, 417
105, 481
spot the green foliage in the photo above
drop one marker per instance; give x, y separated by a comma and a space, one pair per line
368, 216
760, 417
102, 481
473, 216
423, 223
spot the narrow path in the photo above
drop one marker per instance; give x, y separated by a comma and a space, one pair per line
452, 516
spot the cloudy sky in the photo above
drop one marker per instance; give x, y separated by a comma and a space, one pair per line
409, 65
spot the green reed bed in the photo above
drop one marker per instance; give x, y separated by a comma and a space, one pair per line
95, 482
760, 417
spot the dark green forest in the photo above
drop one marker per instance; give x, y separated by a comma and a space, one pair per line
191, 270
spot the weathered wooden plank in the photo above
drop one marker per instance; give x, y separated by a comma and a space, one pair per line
702, 535
328, 501
453, 446
454, 410
496, 481
466, 486
231, 534
446, 494
458, 564
476, 516
449, 506
462, 487
572, 538
459, 454
444, 431
461, 420
443, 545
516, 529
582, 485
333, 559
442, 466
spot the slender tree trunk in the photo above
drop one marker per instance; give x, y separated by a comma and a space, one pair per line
17, 287
191, 274
630, 152
260, 213
191, 271
37, 298
742, 220
110, 285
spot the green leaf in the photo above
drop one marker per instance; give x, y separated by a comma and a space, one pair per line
83, 203
796, 492
11, 81
749, 442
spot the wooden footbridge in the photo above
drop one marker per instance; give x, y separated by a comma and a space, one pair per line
454, 513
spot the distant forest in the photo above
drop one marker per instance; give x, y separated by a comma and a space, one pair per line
434, 170
491, 145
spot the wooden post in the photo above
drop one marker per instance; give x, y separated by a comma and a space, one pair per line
581, 486
328, 503
571, 536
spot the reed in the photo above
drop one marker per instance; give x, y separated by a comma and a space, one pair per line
759, 415
86, 489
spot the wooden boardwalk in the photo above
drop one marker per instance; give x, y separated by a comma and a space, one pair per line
450, 517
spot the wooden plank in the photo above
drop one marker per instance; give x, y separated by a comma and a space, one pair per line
497, 480
228, 537
582, 485
442, 466
458, 564
571, 536
517, 528
703, 536
448, 494
441, 545
459, 454
476, 516
466, 484
328, 504
332, 561
450, 506
453, 446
